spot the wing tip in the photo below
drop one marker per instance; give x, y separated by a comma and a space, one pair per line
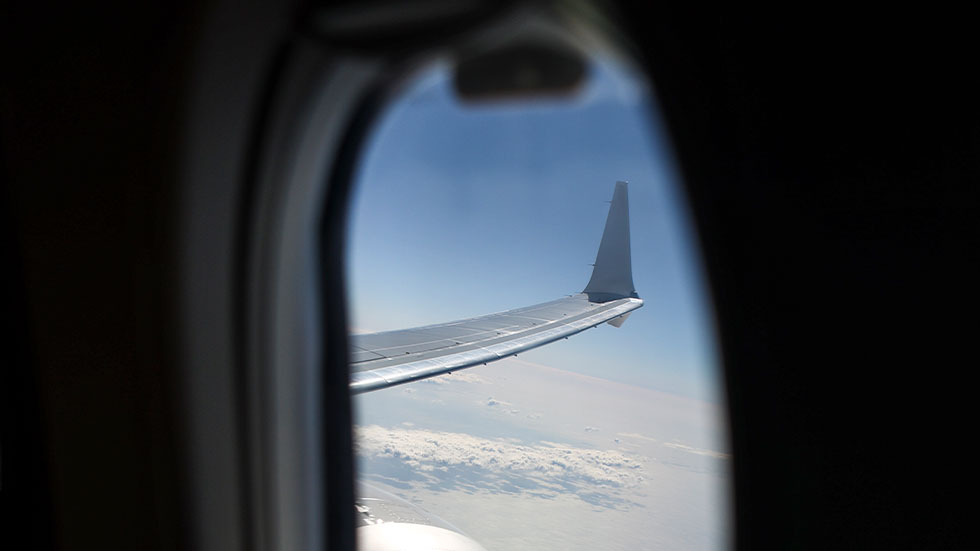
612, 272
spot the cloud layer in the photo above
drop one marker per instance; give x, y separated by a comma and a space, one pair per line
445, 461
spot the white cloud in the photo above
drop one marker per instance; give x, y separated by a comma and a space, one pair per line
491, 402
696, 451
455, 377
636, 436
546, 468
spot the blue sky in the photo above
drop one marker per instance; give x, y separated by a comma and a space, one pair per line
464, 210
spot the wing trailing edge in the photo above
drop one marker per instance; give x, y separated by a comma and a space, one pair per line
428, 352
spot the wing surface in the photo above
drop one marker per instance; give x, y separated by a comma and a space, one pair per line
381, 360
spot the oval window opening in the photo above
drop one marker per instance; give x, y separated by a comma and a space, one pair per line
581, 431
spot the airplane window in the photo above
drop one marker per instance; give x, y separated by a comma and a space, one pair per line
608, 437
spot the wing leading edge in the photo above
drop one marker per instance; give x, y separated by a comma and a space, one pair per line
381, 360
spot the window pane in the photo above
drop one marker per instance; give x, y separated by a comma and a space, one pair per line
614, 438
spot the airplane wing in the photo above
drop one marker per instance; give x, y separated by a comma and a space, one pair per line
381, 360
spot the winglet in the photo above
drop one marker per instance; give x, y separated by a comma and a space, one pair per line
612, 276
